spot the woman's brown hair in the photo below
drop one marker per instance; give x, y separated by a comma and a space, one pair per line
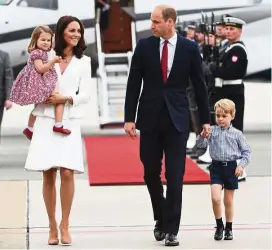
60, 43
35, 36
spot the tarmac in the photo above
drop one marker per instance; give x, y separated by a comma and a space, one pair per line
120, 217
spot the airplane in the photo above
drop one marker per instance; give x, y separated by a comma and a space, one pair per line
129, 20
19, 17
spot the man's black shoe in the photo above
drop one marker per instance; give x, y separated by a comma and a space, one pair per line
219, 233
159, 234
196, 152
228, 234
171, 240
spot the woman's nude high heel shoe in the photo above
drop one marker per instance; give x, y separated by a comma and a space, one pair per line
65, 238
53, 239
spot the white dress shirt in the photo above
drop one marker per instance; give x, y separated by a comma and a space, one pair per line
172, 42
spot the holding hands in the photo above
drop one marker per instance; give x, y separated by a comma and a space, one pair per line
206, 132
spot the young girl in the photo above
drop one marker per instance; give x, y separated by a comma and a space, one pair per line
38, 80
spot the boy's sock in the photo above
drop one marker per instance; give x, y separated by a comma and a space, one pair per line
219, 223
58, 124
229, 225
30, 128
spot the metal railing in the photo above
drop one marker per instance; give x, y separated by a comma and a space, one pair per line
102, 79
102, 82
133, 35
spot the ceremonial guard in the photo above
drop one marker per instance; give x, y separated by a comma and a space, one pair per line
232, 69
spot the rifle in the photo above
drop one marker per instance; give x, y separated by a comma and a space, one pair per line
210, 51
210, 54
215, 47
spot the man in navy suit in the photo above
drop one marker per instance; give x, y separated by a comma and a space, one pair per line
164, 63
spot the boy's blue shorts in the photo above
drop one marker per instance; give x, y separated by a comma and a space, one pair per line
222, 172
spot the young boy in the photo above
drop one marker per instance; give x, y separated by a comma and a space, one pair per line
227, 145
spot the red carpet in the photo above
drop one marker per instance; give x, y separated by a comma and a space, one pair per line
115, 160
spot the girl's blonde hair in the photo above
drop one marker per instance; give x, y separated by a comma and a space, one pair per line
227, 106
35, 36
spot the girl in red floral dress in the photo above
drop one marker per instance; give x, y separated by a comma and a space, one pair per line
38, 79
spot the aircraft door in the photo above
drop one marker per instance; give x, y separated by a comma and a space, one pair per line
116, 38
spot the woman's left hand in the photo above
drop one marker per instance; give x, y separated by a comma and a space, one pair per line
55, 98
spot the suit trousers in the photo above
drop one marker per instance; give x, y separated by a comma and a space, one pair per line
164, 139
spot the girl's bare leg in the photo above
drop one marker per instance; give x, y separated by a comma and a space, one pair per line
59, 109
31, 121
58, 127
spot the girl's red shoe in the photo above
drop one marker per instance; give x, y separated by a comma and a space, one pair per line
61, 130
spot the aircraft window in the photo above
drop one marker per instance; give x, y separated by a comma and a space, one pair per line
41, 4
5, 2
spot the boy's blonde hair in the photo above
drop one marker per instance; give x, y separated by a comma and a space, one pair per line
35, 36
227, 106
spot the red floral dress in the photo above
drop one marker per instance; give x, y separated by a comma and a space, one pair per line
32, 87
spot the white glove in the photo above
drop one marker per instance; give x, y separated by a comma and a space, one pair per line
106, 7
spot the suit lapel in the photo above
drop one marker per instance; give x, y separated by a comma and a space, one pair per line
177, 53
156, 47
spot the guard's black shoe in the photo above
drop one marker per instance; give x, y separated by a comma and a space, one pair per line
196, 152
189, 151
171, 240
219, 233
159, 234
228, 234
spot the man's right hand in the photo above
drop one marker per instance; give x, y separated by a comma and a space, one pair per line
130, 129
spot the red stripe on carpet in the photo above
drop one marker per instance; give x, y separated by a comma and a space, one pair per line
115, 160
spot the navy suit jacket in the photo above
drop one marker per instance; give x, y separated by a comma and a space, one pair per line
145, 73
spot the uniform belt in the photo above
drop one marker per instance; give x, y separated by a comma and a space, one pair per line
220, 82
232, 82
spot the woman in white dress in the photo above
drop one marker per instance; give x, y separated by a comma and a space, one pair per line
51, 151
